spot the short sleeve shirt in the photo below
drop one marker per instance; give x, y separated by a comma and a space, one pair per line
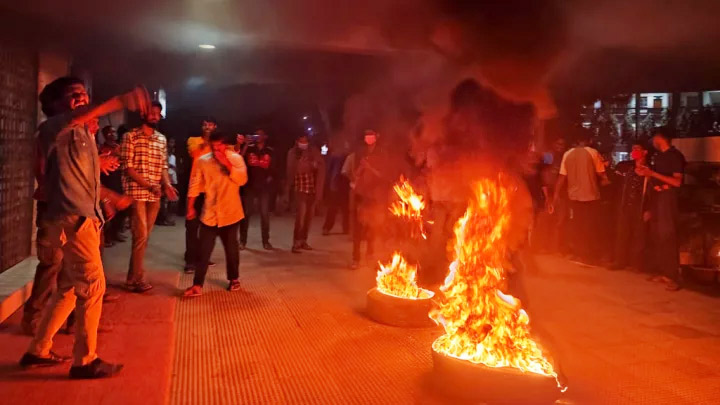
581, 165
667, 163
222, 206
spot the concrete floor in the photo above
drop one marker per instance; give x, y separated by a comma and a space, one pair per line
297, 334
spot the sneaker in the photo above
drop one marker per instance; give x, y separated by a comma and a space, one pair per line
234, 285
194, 291
139, 287
96, 369
267, 246
29, 360
189, 269
305, 246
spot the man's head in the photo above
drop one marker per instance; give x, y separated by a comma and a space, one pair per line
109, 133
218, 142
261, 136
154, 115
302, 142
583, 136
661, 140
209, 125
638, 151
63, 95
370, 137
171, 145
559, 145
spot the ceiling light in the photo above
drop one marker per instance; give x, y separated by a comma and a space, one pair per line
206, 46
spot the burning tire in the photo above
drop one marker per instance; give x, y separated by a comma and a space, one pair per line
463, 379
396, 311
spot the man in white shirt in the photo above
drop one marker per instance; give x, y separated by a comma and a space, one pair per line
582, 169
219, 175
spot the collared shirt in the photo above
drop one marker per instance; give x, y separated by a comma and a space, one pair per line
305, 183
222, 205
581, 165
147, 155
71, 168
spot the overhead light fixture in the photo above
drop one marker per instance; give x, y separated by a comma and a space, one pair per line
206, 46
305, 117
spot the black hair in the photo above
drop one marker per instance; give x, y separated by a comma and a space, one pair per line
663, 132
583, 135
54, 91
641, 142
157, 104
220, 136
106, 129
208, 118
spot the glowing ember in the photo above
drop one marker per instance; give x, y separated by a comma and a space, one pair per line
397, 278
410, 205
482, 324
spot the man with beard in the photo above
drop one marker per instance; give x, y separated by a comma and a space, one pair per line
69, 226
197, 147
144, 159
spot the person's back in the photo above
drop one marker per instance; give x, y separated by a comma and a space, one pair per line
581, 165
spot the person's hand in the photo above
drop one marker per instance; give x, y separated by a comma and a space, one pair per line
643, 171
646, 216
155, 190
191, 213
171, 192
137, 100
108, 163
123, 203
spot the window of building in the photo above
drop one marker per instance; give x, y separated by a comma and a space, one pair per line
643, 102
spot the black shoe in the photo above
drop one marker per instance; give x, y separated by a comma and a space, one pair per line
30, 360
305, 246
296, 249
234, 285
267, 246
96, 369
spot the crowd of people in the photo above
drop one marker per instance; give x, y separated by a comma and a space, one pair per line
88, 190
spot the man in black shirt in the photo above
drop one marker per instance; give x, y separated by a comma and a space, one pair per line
665, 178
630, 228
260, 162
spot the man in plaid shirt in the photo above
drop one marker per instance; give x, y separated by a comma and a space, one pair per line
305, 175
143, 155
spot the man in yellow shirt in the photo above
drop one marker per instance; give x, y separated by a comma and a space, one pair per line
218, 175
197, 147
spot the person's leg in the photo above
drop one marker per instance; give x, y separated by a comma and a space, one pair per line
623, 238
300, 206
264, 204
192, 232
344, 207
309, 213
667, 253
162, 212
139, 227
358, 230
46, 275
207, 242
331, 213
232, 255
249, 209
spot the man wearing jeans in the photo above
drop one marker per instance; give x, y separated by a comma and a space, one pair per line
218, 175
260, 160
305, 171
144, 160
581, 167
71, 222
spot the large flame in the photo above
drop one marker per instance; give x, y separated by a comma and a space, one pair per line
398, 278
483, 324
409, 206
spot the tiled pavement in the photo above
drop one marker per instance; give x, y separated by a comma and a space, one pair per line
297, 334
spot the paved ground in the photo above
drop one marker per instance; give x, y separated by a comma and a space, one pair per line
297, 334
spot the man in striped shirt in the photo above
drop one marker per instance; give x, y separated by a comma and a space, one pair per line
143, 155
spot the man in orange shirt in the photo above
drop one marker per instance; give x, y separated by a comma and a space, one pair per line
197, 147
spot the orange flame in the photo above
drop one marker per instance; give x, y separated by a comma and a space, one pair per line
398, 278
410, 205
483, 324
